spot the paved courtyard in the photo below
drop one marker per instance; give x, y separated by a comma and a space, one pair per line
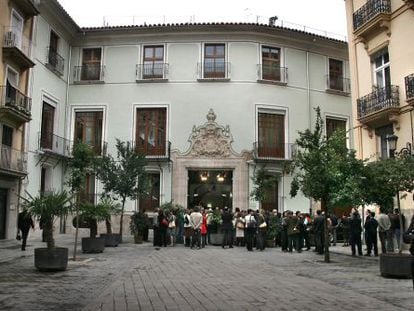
138, 277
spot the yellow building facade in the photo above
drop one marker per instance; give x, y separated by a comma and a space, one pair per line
381, 54
16, 28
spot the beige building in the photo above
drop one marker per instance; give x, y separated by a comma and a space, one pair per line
16, 28
381, 54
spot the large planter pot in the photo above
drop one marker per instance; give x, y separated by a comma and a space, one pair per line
395, 265
138, 238
216, 238
93, 245
112, 239
55, 259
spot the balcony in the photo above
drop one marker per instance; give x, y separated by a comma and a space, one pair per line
89, 74
55, 62
272, 74
409, 3
16, 47
338, 85
27, 7
372, 17
214, 72
409, 89
154, 72
159, 153
54, 145
13, 162
379, 107
14, 105
262, 152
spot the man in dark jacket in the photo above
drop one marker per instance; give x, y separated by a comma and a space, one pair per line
24, 222
227, 227
318, 229
355, 230
371, 226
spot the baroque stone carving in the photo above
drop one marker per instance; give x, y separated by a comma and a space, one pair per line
210, 139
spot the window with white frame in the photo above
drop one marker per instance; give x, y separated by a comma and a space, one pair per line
336, 75
91, 68
381, 62
214, 63
153, 66
271, 64
271, 135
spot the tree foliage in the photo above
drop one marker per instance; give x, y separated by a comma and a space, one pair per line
263, 182
387, 177
123, 176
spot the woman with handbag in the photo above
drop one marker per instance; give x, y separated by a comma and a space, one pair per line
240, 222
171, 227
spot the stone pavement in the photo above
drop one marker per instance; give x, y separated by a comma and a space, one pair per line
138, 277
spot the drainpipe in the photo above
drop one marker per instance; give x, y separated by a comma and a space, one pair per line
309, 105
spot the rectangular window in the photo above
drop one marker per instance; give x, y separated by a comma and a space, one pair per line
7, 136
214, 61
88, 129
150, 137
271, 63
150, 202
382, 70
46, 134
88, 193
382, 133
153, 62
334, 124
91, 64
336, 75
271, 135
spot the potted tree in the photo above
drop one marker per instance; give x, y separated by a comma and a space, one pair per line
387, 179
137, 226
111, 239
46, 207
92, 214
216, 236
271, 232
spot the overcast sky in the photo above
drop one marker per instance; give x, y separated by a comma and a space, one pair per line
327, 15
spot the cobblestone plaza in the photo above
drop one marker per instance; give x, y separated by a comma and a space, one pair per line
139, 277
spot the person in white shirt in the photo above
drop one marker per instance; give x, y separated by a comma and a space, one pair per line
196, 219
188, 230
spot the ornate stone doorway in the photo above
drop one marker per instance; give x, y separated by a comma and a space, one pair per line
210, 150
210, 188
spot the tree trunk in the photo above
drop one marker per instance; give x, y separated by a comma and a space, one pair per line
93, 226
122, 217
77, 227
48, 231
108, 225
401, 224
326, 232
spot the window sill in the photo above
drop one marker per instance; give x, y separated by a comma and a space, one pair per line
213, 79
155, 80
337, 92
86, 82
272, 82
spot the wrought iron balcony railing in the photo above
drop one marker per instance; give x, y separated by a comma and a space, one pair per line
338, 83
380, 98
272, 73
54, 143
13, 98
12, 159
152, 71
14, 38
409, 87
55, 61
98, 147
92, 73
271, 152
160, 152
214, 71
369, 10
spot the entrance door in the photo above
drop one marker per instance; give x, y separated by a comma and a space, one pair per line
3, 212
210, 188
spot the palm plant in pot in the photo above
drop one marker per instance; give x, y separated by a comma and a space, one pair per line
46, 207
137, 226
111, 239
92, 214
